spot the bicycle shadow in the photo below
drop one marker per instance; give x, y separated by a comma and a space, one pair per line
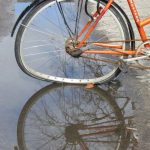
64, 116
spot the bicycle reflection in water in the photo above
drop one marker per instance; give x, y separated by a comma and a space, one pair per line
70, 117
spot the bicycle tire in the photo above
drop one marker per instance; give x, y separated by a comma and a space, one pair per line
96, 76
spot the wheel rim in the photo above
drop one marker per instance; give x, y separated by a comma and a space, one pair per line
57, 65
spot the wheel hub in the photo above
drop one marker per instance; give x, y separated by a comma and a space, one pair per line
70, 47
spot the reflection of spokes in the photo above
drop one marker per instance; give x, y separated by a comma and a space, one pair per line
72, 132
66, 117
102, 59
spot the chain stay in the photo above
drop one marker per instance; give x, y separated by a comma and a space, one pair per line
122, 62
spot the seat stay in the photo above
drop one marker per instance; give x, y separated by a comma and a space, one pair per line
96, 21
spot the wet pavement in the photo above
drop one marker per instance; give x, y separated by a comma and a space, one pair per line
61, 116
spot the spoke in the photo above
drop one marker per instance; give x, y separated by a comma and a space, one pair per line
64, 147
83, 146
43, 145
36, 41
72, 147
75, 147
51, 22
38, 46
78, 15
42, 53
58, 56
42, 32
60, 8
102, 60
30, 61
51, 33
36, 30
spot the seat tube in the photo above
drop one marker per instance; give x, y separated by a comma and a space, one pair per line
137, 20
96, 22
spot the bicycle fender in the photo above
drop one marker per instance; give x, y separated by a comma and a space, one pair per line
131, 31
23, 14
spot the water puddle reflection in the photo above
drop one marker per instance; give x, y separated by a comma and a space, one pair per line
144, 77
70, 117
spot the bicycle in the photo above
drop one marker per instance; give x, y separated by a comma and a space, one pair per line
62, 116
58, 41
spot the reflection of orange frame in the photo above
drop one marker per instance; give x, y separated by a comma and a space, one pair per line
140, 25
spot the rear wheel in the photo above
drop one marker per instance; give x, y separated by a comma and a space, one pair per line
40, 46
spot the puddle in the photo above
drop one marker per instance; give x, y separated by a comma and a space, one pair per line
72, 117
14, 86
144, 77
6, 17
20, 6
61, 116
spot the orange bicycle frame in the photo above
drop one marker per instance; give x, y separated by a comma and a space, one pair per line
140, 24
118, 48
